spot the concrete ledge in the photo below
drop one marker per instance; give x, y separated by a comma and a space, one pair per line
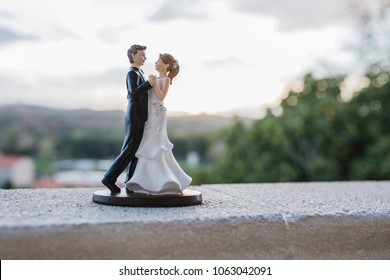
338, 220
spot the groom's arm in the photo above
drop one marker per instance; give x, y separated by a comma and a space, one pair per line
135, 86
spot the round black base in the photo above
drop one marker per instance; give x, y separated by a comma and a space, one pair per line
124, 198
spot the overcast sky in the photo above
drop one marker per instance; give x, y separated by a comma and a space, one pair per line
232, 53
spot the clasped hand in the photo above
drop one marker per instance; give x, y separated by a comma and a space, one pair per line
152, 80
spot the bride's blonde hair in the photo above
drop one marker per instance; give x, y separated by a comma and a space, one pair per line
173, 68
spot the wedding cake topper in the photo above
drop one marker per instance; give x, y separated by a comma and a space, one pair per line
154, 177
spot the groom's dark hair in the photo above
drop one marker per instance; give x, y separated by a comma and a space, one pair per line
133, 50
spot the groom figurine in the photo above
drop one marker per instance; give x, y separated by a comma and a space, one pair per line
136, 116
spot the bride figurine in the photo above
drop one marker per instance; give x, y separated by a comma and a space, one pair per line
157, 171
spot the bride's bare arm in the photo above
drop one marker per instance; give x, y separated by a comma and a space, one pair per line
162, 92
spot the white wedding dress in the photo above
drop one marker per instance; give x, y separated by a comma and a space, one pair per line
157, 171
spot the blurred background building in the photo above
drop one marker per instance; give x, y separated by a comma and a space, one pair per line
16, 171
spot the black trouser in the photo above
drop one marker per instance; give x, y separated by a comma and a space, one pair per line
127, 155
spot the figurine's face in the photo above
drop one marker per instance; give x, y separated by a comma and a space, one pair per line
139, 58
160, 65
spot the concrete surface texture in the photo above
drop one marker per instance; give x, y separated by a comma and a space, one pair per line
323, 220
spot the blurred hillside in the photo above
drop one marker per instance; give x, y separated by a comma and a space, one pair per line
32, 129
23, 128
33, 122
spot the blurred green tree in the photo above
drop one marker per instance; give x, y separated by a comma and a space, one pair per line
318, 137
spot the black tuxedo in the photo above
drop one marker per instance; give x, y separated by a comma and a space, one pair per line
136, 116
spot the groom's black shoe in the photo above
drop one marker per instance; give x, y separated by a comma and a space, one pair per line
111, 185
